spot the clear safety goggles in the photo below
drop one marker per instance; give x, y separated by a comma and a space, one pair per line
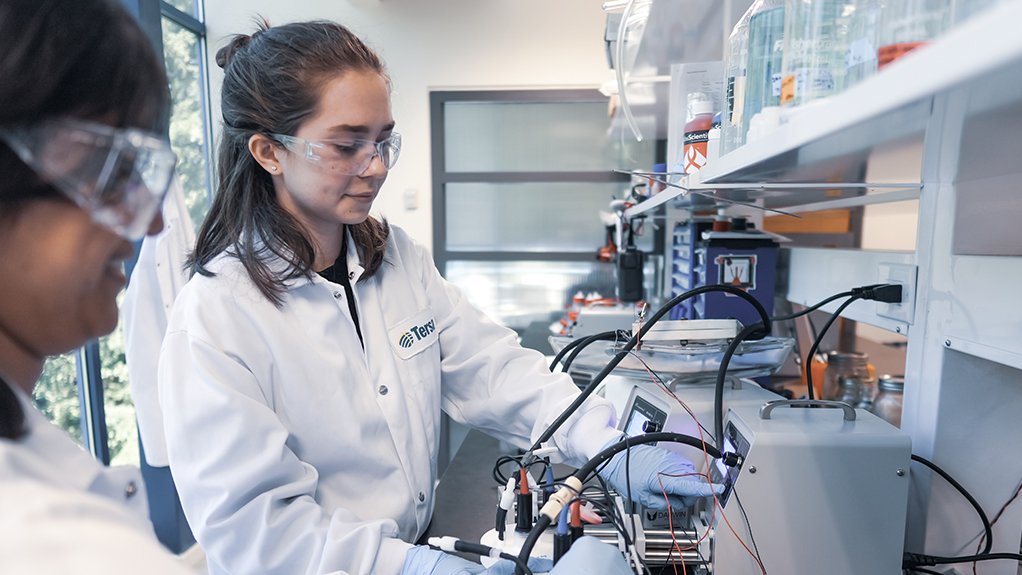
119, 175
347, 156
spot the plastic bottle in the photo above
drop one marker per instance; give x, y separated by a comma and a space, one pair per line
735, 61
713, 140
763, 72
908, 24
815, 42
861, 51
697, 130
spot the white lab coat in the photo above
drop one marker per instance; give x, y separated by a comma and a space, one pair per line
158, 276
295, 452
63, 512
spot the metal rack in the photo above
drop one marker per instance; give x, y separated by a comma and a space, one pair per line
962, 98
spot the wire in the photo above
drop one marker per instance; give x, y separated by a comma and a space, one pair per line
572, 345
812, 308
585, 342
913, 560
987, 529
601, 458
663, 310
997, 517
748, 524
819, 339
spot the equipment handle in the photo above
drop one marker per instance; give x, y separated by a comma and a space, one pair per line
764, 412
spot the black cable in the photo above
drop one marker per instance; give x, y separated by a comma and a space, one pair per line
747, 332
632, 342
601, 458
819, 340
524, 567
575, 343
921, 570
748, 524
812, 308
584, 343
915, 560
987, 528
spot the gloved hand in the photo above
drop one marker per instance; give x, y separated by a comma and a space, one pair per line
590, 555
649, 467
422, 560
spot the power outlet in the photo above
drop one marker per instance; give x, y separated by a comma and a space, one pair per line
904, 275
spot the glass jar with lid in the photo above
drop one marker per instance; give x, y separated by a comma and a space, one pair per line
888, 401
843, 365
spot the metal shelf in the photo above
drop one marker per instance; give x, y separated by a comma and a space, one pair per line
831, 140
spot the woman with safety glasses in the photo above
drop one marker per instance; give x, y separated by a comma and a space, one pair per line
306, 363
80, 86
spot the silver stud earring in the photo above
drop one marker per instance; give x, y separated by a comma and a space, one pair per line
273, 168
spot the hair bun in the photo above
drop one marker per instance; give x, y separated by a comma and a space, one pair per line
226, 54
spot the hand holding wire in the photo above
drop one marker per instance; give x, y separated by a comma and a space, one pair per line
654, 472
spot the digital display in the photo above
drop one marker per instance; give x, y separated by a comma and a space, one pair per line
636, 424
734, 442
644, 417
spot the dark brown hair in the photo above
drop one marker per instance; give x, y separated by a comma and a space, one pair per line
85, 58
272, 83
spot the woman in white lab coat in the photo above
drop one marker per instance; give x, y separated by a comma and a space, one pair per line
306, 363
79, 87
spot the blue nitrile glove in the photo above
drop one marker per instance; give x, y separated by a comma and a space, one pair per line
646, 462
590, 555
422, 560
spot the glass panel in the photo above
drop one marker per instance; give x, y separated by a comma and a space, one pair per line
517, 294
56, 395
121, 429
536, 137
533, 217
181, 51
190, 7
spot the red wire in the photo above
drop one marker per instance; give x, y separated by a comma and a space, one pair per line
706, 459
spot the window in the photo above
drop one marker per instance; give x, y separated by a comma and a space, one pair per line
86, 392
520, 179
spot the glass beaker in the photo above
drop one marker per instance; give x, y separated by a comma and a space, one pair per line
888, 402
907, 24
843, 365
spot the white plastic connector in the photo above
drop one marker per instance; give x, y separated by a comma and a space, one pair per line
445, 543
558, 500
507, 497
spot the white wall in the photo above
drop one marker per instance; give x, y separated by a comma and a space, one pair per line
430, 44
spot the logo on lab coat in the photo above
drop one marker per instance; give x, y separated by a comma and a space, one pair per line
414, 334
407, 340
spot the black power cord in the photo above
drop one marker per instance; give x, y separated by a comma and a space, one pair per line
583, 341
819, 339
911, 561
663, 310
583, 473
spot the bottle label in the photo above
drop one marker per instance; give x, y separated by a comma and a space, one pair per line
891, 52
788, 89
694, 150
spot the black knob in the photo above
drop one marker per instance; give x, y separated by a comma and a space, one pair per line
651, 427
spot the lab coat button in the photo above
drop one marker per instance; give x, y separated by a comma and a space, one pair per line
422, 497
130, 490
337, 295
383, 390
351, 275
